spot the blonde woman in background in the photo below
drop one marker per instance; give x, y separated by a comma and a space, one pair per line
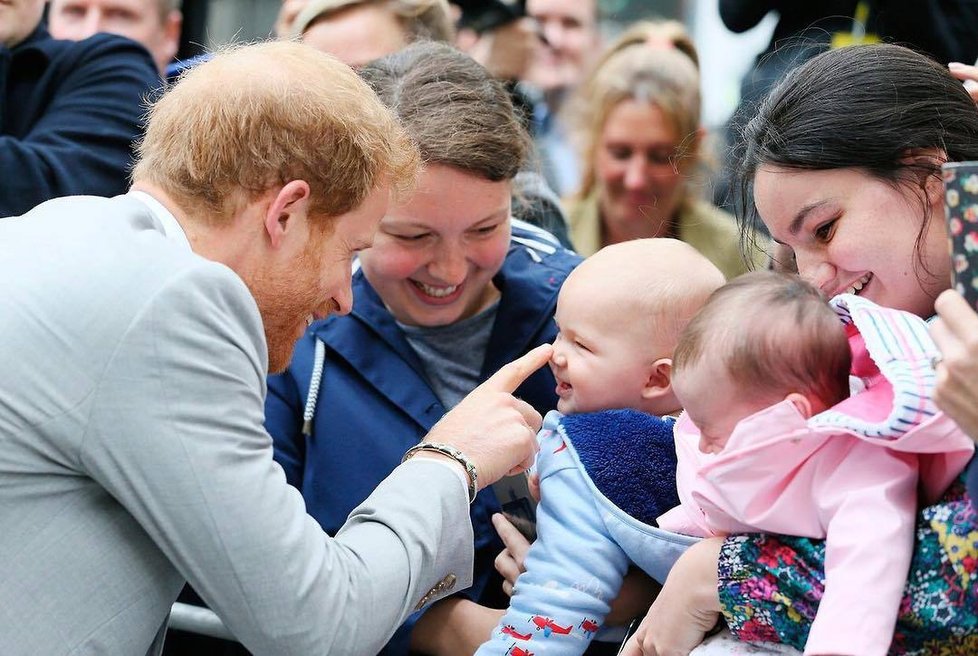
359, 31
637, 123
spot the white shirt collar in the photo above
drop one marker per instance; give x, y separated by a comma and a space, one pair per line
171, 227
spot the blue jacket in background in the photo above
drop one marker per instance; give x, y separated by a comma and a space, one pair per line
69, 113
374, 400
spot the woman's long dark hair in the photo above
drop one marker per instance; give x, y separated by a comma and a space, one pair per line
863, 107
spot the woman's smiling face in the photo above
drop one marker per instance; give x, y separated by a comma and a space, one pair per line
852, 232
433, 258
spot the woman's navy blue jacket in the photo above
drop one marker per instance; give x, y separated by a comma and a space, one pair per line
374, 401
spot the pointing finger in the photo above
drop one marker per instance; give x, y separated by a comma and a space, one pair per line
512, 375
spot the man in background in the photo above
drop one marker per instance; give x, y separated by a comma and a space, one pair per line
559, 64
153, 23
69, 112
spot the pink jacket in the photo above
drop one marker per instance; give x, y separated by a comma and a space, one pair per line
852, 475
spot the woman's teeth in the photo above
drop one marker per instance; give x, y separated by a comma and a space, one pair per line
437, 292
859, 284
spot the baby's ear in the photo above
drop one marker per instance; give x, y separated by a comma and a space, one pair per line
801, 403
658, 381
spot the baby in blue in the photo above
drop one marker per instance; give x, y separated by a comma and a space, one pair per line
607, 461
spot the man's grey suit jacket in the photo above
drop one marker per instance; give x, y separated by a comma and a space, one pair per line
133, 457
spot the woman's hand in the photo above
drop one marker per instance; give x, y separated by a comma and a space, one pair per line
638, 591
454, 627
956, 334
967, 74
687, 607
509, 562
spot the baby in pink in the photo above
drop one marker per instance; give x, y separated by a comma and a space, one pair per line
772, 441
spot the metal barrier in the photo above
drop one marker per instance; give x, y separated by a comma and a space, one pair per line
196, 619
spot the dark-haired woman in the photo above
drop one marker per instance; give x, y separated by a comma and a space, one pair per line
842, 165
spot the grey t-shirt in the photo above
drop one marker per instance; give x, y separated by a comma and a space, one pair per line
452, 355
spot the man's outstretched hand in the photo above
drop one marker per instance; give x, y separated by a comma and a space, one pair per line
494, 429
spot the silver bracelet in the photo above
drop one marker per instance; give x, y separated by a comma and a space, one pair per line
454, 454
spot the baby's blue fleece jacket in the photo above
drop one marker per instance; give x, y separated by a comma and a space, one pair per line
604, 478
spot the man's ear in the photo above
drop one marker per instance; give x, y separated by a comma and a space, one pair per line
286, 211
658, 381
801, 403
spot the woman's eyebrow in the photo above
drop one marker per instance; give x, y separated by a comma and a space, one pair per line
803, 214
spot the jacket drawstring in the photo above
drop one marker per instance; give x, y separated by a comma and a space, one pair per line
314, 383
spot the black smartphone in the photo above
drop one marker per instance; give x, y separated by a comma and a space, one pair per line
519, 506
